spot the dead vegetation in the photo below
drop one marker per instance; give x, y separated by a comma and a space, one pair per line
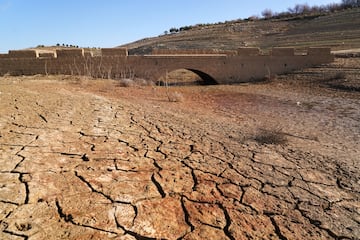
270, 136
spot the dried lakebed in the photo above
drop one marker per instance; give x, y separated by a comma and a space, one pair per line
94, 162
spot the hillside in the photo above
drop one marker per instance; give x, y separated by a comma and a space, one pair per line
339, 30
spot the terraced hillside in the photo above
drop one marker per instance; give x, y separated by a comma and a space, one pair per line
339, 30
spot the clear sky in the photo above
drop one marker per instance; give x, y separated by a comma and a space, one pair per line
109, 23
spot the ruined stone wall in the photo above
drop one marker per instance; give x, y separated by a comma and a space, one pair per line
247, 64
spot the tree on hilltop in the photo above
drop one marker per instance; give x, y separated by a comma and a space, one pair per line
351, 3
267, 13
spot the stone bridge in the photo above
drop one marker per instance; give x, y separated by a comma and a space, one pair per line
214, 67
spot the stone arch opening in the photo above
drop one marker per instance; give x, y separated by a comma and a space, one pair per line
186, 76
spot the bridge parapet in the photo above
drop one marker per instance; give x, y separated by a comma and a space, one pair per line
67, 53
248, 51
22, 54
114, 52
316, 51
192, 52
243, 64
282, 51
46, 55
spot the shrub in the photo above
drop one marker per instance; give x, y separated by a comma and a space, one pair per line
351, 3
129, 82
175, 96
276, 137
126, 82
173, 30
267, 13
340, 75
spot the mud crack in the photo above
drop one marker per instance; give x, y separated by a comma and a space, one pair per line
158, 186
228, 222
70, 219
92, 188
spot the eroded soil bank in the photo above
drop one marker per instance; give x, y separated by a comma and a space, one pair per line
85, 159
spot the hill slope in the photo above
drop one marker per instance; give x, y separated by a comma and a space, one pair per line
339, 30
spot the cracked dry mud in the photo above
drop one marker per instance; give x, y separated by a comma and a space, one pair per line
94, 161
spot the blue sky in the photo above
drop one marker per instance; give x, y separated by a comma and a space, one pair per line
109, 23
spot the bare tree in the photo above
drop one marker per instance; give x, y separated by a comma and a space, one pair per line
267, 13
351, 3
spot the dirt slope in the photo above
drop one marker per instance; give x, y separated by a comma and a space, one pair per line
339, 30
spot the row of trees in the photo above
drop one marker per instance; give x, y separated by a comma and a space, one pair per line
175, 30
67, 45
300, 9
73, 46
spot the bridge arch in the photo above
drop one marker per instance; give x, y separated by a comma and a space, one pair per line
207, 79
199, 78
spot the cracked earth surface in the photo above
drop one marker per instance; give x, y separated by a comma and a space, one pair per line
100, 162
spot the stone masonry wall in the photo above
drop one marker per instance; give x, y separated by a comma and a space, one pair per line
22, 54
114, 52
282, 51
248, 51
247, 64
63, 53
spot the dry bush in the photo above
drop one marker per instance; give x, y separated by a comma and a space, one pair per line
131, 82
8, 74
273, 136
126, 82
143, 82
340, 75
175, 96
106, 85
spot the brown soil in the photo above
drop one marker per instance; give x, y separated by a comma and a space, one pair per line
86, 159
